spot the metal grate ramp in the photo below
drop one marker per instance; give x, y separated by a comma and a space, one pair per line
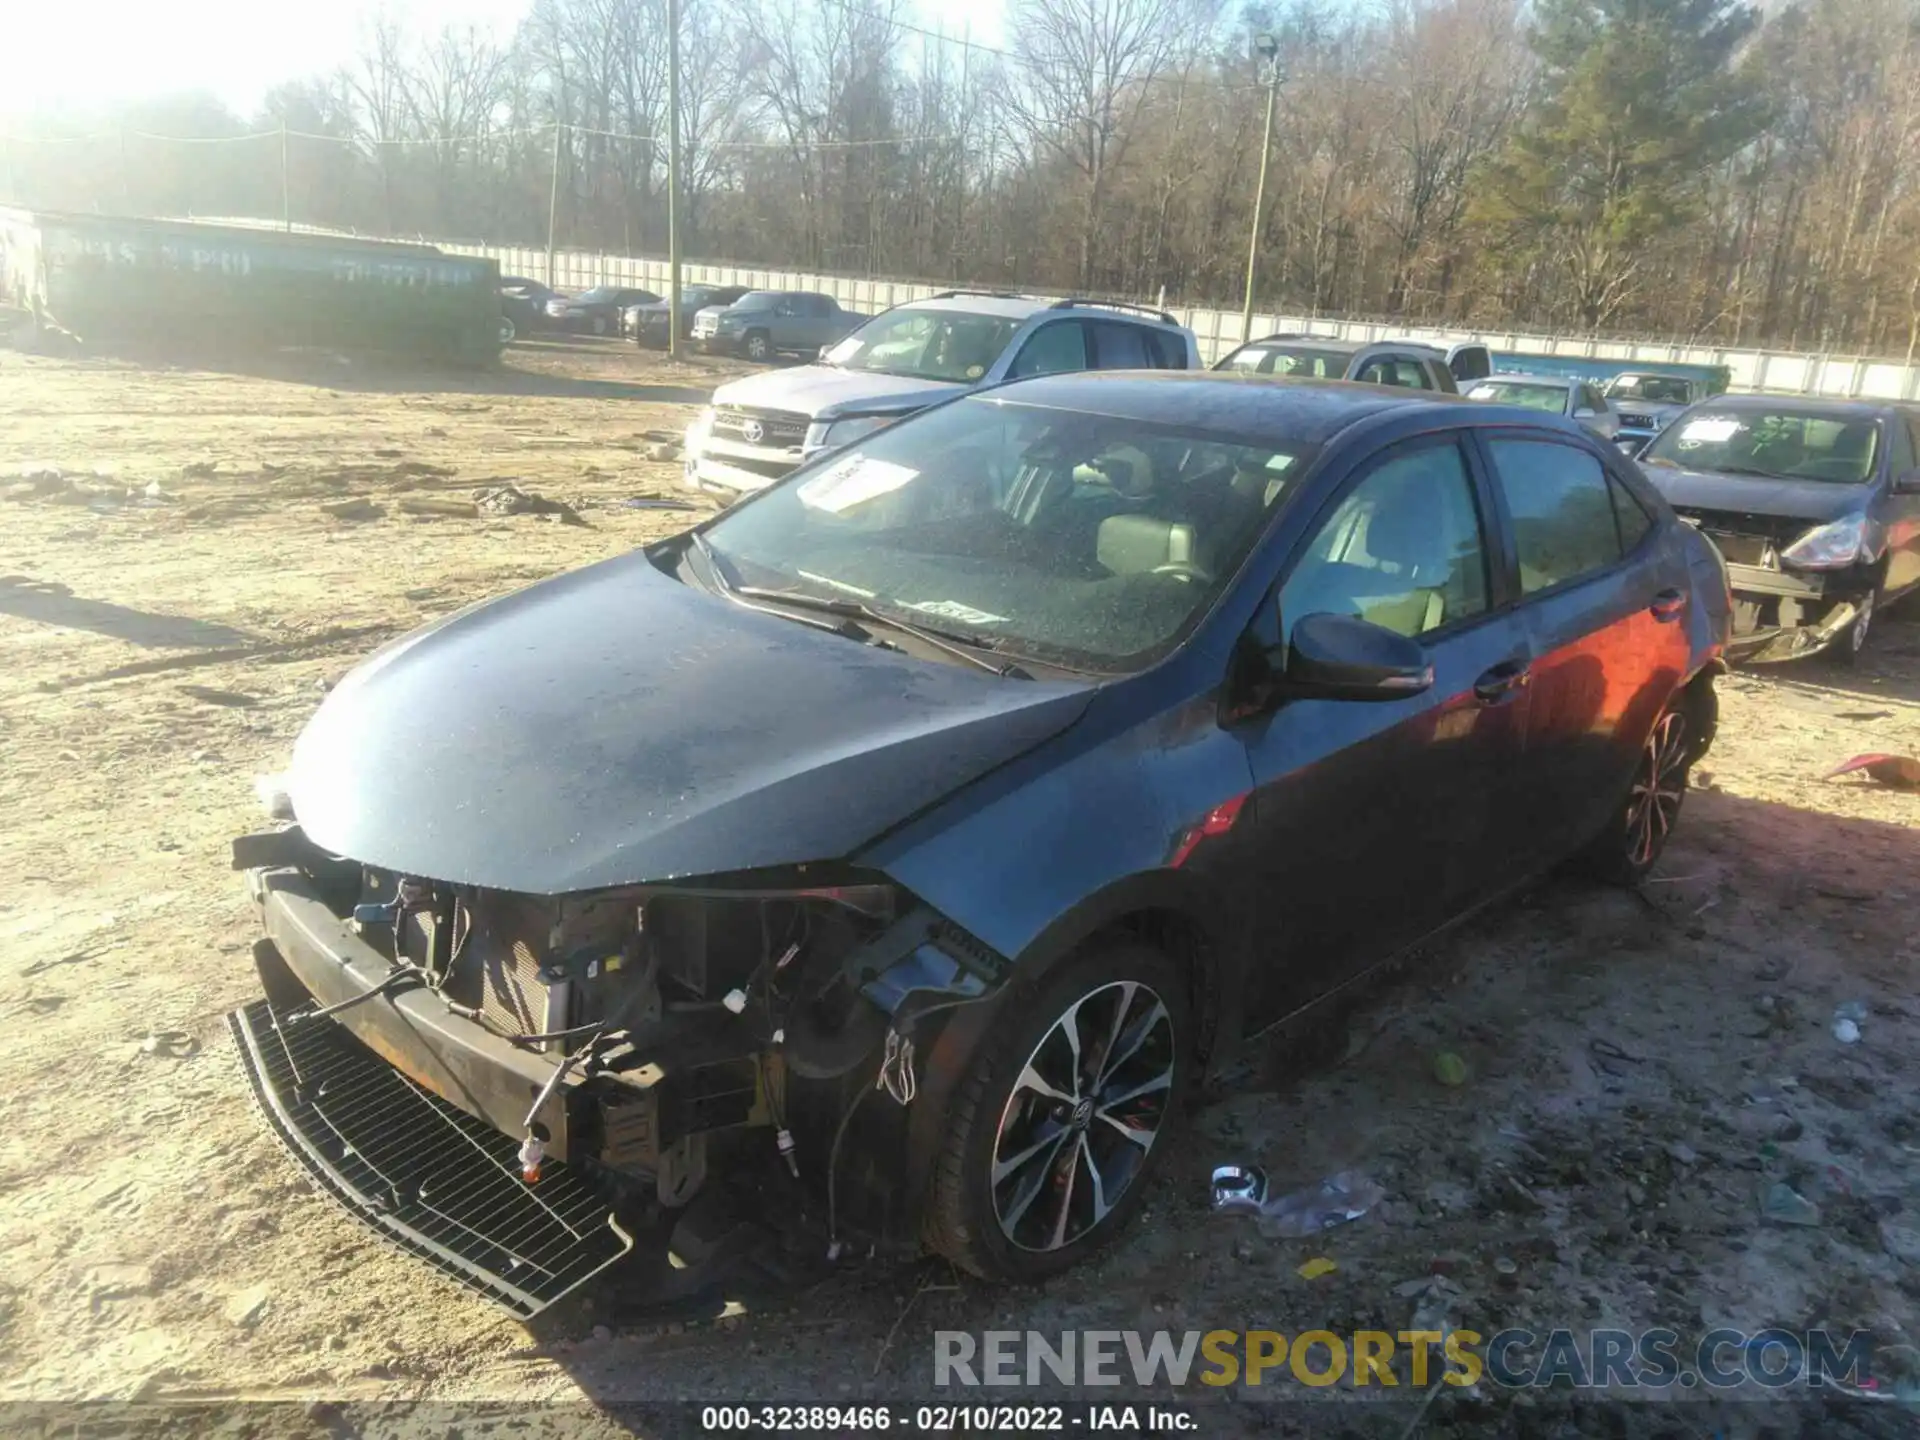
423, 1173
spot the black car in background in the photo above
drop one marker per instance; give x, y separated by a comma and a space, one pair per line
523, 305
1814, 503
595, 311
895, 853
647, 324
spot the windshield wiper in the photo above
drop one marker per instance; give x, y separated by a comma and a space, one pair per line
965, 647
741, 594
1749, 470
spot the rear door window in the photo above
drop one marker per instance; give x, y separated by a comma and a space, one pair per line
1055, 348
1563, 508
1119, 346
1168, 351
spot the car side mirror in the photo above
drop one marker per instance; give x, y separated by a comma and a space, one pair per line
1585, 412
1907, 484
1341, 657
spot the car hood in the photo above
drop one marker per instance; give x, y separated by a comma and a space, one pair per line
824, 391
612, 726
1752, 495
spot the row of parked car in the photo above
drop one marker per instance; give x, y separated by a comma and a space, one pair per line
733, 319
1814, 504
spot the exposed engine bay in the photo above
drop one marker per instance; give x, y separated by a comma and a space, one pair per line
1780, 611
642, 1038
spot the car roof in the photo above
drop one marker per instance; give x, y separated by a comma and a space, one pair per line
1522, 377
1330, 343
1025, 307
1310, 411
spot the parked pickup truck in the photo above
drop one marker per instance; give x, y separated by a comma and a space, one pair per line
761, 427
764, 323
1646, 403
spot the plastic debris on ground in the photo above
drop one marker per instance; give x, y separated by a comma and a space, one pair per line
1334, 1201
1784, 1205
1902, 772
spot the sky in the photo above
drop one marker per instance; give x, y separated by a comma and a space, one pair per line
90, 54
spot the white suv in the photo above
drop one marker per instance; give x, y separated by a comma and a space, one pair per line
759, 428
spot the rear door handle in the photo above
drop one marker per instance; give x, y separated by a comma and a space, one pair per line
1668, 604
1502, 682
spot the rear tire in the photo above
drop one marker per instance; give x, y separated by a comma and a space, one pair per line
1046, 1159
1631, 842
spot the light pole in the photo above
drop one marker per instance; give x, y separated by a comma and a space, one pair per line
673, 179
1268, 49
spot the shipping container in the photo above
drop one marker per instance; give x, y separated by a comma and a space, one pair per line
111, 278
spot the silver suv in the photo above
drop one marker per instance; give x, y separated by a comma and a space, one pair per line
904, 359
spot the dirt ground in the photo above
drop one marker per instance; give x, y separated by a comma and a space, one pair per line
1639, 1066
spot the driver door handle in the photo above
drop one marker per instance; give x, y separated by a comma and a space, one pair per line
1668, 604
1502, 682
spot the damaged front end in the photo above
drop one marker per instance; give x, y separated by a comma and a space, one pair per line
523, 1089
1796, 589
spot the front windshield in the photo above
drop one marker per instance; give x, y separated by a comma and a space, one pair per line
1084, 541
1288, 360
1551, 398
1790, 442
598, 293
926, 344
1656, 389
758, 300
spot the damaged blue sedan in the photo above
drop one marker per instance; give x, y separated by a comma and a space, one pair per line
896, 853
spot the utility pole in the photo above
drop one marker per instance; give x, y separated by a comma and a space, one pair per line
553, 201
1268, 50
673, 179
286, 183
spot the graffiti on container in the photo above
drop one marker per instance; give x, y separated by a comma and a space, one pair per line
201, 258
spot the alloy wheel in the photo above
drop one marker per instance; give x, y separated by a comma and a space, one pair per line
757, 348
1084, 1111
1658, 787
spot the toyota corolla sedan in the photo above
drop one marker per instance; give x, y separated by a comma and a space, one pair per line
894, 854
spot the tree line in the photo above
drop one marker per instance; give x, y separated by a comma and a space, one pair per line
1702, 169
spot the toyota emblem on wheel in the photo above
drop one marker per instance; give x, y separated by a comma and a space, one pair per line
753, 432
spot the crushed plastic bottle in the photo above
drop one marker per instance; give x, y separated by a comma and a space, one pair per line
1784, 1205
1334, 1201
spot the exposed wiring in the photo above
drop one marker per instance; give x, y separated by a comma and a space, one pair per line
896, 1075
404, 972
833, 1168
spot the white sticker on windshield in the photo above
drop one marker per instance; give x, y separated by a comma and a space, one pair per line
954, 610
1710, 430
853, 481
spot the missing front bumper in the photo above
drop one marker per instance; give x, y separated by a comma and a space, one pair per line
422, 1173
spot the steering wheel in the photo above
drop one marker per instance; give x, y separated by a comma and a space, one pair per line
1187, 572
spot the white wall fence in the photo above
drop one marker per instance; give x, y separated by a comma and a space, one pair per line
1219, 330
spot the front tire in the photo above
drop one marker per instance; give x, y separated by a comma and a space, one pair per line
759, 347
1630, 844
1846, 648
1052, 1134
